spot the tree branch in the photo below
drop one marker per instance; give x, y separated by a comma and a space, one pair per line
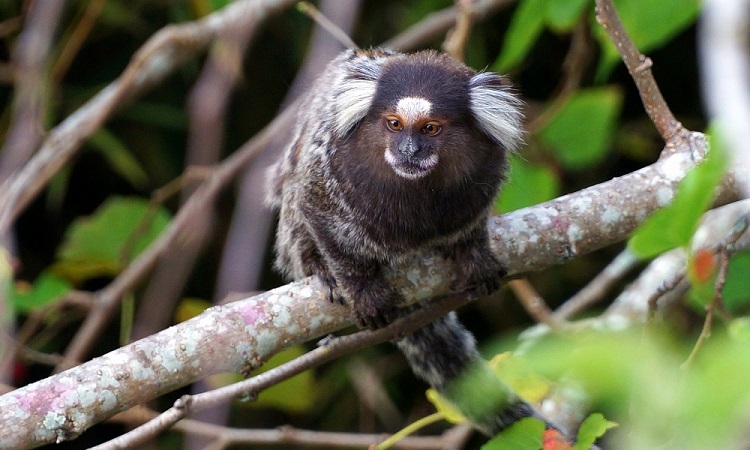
160, 56
639, 67
725, 80
239, 336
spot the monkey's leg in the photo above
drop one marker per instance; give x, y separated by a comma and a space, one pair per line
298, 255
361, 282
479, 267
444, 355
314, 264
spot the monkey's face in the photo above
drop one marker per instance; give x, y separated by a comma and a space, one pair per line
422, 119
413, 137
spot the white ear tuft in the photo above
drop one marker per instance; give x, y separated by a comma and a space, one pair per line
354, 95
496, 109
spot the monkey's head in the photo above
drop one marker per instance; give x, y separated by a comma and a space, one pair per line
425, 113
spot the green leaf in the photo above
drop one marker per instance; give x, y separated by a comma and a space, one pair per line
294, 395
736, 292
580, 133
524, 29
119, 158
47, 288
526, 434
444, 407
739, 329
528, 184
102, 244
190, 307
520, 376
563, 15
674, 225
591, 429
649, 23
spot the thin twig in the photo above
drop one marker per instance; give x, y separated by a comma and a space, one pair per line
595, 290
323, 21
534, 304
77, 34
455, 43
438, 23
726, 248
666, 286
639, 67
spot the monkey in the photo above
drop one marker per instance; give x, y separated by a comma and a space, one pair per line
394, 155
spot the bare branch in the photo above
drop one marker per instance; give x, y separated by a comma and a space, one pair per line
725, 72
455, 43
639, 67
437, 24
160, 56
596, 288
325, 23
534, 304
30, 61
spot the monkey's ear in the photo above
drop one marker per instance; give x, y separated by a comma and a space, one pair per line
355, 92
496, 109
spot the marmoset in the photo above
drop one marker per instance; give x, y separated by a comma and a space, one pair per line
395, 155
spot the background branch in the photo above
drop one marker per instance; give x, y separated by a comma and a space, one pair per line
639, 67
725, 73
159, 57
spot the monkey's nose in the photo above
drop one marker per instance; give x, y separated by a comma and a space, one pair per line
408, 148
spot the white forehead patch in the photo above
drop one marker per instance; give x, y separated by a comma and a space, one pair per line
411, 109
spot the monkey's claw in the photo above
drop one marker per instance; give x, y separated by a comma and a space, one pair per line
334, 294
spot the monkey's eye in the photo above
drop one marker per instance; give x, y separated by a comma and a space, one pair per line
394, 124
431, 129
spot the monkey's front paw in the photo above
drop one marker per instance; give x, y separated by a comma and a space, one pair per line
484, 277
334, 294
374, 306
487, 284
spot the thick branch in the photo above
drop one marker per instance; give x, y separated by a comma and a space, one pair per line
240, 336
725, 73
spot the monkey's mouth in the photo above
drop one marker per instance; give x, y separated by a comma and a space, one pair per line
411, 168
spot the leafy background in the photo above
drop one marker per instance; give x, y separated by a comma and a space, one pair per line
96, 214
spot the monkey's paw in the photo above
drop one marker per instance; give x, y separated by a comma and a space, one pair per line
374, 304
483, 273
334, 294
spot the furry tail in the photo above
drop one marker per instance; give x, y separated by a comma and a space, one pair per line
444, 355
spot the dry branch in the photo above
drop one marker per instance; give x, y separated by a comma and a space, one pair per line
160, 56
639, 67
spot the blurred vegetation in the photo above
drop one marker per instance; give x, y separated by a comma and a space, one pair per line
586, 125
